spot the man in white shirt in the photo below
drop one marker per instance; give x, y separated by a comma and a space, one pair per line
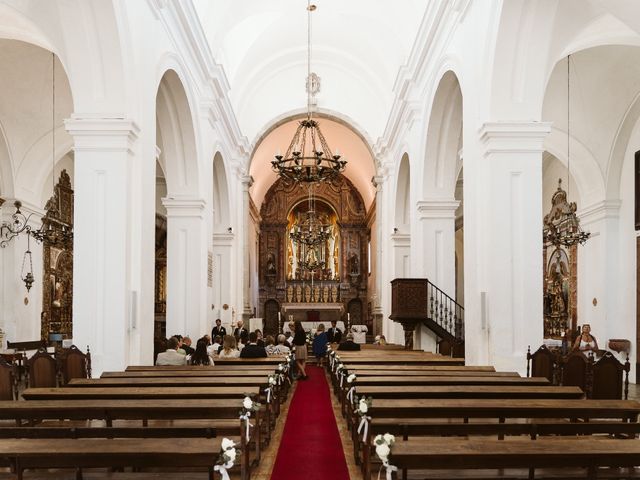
171, 355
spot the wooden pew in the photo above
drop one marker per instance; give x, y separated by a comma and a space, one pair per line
471, 391
400, 367
138, 393
207, 412
169, 382
189, 373
271, 366
85, 453
588, 454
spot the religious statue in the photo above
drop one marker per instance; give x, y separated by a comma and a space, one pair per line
307, 293
325, 294
556, 295
271, 265
332, 247
354, 264
316, 293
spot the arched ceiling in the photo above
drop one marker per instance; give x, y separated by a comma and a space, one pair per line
360, 167
358, 47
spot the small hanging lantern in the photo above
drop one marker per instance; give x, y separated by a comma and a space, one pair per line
27, 277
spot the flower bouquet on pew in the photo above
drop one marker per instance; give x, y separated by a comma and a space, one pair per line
249, 406
272, 381
364, 404
226, 458
383, 444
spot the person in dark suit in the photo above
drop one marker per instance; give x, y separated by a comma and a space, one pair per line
252, 350
218, 330
349, 345
239, 329
334, 334
186, 346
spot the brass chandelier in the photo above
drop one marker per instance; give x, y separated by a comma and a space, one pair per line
562, 225
308, 159
309, 231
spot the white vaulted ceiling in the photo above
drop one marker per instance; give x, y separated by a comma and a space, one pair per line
358, 47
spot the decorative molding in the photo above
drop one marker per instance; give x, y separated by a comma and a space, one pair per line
514, 137
437, 208
91, 133
400, 240
184, 207
606, 209
437, 27
223, 239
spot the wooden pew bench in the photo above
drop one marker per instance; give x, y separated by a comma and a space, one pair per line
95, 453
568, 457
217, 413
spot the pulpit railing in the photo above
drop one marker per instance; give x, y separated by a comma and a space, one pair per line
445, 315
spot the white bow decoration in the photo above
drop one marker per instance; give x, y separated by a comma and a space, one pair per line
268, 392
364, 423
342, 376
248, 424
223, 470
390, 470
350, 393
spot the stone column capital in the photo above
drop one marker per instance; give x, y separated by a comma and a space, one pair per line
443, 208
101, 134
184, 207
514, 137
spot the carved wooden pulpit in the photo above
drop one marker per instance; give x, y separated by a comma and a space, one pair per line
409, 305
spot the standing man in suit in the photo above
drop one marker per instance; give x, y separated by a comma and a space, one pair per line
334, 334
218, 330
239, 329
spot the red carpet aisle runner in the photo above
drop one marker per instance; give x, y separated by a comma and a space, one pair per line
311, 448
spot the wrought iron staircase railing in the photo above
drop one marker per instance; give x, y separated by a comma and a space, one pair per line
445, 316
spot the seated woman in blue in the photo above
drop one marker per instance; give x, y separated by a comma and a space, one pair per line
320, 344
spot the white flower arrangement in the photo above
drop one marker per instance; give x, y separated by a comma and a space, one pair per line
226, 459
248, 406
364, 404
383, 444
351, 378
339, 367
272, 380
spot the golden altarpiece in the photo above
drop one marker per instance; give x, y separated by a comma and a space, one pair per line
560, 280
57, 277
335, 291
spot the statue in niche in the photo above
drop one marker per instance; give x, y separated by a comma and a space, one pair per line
271, 265
556, 297
325, 294
334, 293
332, 248
354, 264
316, 293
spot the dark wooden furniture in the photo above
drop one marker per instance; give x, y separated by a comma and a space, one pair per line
430, 373
584, 455
42, 370
437, 380
138, 393
435, 368
137, 382
8, 381
542, 363
608, 382
31, 345
218, 373
17, 359
74, 363
78, 454
576, 369
470, 391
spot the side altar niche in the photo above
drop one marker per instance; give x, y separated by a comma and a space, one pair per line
337, 289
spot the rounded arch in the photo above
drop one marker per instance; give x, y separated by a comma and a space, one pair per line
403, 196
444, 138
6, 167
352, 144
177, 136
221, 199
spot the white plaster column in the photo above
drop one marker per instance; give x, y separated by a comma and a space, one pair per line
599, 273
247, 313
503, 223
437, 219
378, 182
186, 266
102, 230
223, 277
